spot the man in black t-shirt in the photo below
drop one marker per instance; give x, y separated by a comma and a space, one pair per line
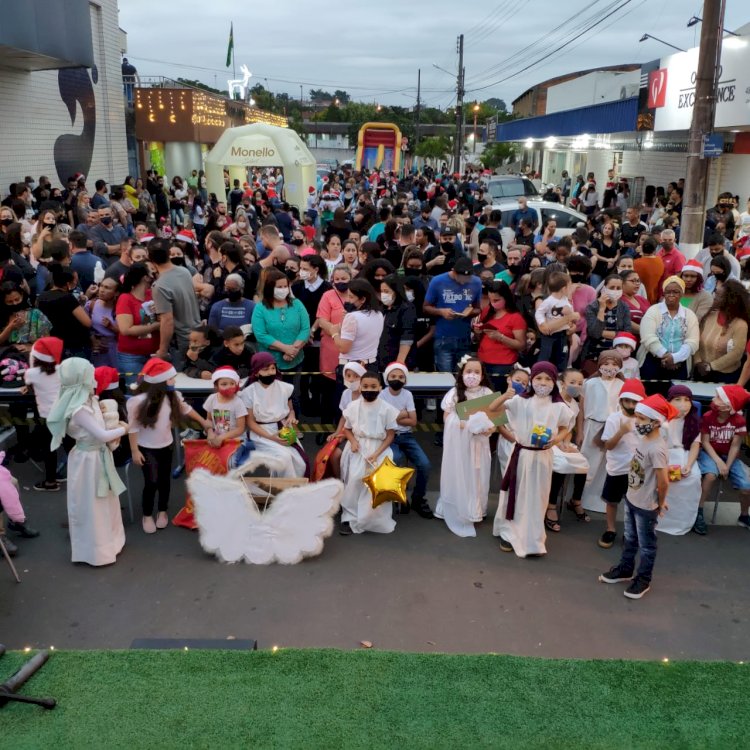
492, 230
631, 230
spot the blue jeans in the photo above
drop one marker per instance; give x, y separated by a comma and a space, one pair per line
499, 375
640, 536
554, 349
405, 446
130, 365
448, 350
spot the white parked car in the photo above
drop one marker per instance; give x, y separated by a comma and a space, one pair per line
567, 218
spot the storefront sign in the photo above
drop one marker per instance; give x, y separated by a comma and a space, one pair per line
671, 88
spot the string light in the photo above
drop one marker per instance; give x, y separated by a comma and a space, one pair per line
274, 649
665, 660
27, 649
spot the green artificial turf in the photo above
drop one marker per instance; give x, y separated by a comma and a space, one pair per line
372, 699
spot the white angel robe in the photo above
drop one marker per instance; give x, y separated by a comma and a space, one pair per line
533, 477
684, 495
369, 422
504, 451
97, 535
569, 463
269, 405
464, 471
600, 399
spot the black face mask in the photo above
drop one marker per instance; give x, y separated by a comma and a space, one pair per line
370, 396
106, 220
234, 295
50, 226
178, 261
20, 307
6, 222
413, 271
341, 286
266, 379
577, 278
349, 306
291, 274
397, 385
447, 247
298, 242
482, 256
720, 276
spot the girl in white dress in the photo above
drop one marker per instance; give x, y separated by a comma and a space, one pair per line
369, 426
269, 409
683, 440
466, 464
601, 393
539, 420
95, 520
566, 458
505, 440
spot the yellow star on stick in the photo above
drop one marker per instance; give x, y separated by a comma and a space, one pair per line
388, 483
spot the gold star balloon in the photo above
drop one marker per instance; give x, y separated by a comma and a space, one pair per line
388, 483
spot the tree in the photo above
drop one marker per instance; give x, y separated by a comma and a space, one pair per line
342, 96
436, 147
495, 154
496, 104
198, 85
319, 95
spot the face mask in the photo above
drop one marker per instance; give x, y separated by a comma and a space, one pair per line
106, 220
574, 391
542, 390
482, 256
472, 380
234, 295
624, 351
169, 388
266, 379
613, 294
341, 286
370, 396
178, 261
290, 273
720, 276
447, 247
6, 222
519, 388
609, 371
498, 304
409, 295
49, 226
645, 429
241, 225
281, 293
387, 299
413, 271
304, 275
577, 278
20, 307
352, 385
228, 391
349, 306
397, 385
298, 242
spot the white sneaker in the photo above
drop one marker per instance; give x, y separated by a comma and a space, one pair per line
148, 525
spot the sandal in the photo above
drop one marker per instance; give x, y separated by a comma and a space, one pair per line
551, 524
575, 507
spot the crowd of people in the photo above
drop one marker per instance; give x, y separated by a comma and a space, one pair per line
326, 309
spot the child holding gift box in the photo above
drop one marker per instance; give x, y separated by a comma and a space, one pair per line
539, 420
465, 469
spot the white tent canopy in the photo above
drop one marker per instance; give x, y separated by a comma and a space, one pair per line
261, 145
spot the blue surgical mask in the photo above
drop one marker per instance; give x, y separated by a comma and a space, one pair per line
170, 387
519, 388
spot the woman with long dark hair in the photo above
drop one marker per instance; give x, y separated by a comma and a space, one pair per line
501, 330
362, 325
397, 339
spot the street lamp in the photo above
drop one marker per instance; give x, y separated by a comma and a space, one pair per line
656, 39
476, 112
697, 19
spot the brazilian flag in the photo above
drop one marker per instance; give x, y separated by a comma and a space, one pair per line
230, 47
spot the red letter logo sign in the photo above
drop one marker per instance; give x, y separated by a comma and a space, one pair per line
657, 88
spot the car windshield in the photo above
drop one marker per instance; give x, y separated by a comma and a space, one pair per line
510, 188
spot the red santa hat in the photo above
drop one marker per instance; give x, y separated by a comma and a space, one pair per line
225, 372
48, 349
633, 389
734, 395
311, 190
107, 379
146, 239
395, 366
656, 407
625, 339
742, 253
156, 370
186, 235
693, 266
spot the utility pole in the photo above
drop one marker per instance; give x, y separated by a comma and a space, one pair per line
419, 109
458, 144
702, 123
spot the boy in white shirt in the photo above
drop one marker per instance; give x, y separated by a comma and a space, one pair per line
626, 344
620, 440
553, 317
405, 445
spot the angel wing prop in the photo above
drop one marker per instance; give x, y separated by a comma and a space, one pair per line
234, 529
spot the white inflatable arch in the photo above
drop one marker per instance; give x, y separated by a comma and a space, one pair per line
261, 145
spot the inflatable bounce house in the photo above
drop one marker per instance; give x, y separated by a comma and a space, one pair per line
379, 147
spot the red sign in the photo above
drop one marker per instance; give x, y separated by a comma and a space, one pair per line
657, 88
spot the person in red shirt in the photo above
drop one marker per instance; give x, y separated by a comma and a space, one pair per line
670, 255
501, 330
723, 429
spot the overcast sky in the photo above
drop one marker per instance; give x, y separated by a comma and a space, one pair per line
356, 46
